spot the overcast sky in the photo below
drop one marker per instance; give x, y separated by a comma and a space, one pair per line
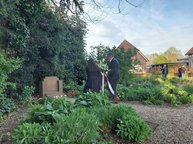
152, 28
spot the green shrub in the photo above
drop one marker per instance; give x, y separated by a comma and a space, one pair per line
133, 128
27, 134
74, 86
153, 100
171, 98
119, 111
115, 118
143, 93
188, 88
123, 92
27, 92
6, 105
49, 111
7, 66
185, 99
108, 116
182, 93
48, 134
175, 80
79, 127
147, 102
92, 99
104, 116
158, 102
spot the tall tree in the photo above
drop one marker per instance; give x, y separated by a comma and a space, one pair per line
172, 54
161, 59
99, 52
127, 63
48, 42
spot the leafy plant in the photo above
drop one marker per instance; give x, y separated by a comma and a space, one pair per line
7, 66
27, 134
74, 86
133, 128
27, 92
80, 127
171, 98
109, 115
188, 88
50, 110
6, 105
92, 99
123, 92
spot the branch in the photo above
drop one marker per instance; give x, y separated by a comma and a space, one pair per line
138, 5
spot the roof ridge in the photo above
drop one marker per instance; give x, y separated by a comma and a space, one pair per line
190, 52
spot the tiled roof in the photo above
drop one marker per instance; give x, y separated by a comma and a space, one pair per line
190, 52
126, 45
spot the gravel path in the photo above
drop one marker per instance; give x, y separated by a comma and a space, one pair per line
172, 125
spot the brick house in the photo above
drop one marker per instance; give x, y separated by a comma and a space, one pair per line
139, 56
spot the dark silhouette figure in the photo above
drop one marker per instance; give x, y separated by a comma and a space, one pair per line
93, 82
164, 71
113, 75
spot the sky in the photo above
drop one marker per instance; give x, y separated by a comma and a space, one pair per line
153, 27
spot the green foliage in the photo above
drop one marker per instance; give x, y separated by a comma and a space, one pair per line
126, 63
7, 66
153, 90
48, 134
109, 115
171, 98
90, 99
188, 88
79, 127
49, 111
124, 120
124, 57
49, 42
133, 128
123, 92
27, 92
161, 59
27, 134
74, 86
153, 100
6, 105
99, 52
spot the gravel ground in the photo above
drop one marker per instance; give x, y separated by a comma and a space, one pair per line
171, 125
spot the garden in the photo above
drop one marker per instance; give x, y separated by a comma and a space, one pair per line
39, 39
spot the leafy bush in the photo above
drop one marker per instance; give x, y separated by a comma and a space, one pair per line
92, 99
27, 134
108, 116
123, 92
79, 127
117, 112
112, 117
7, 66
48, 134
153, 100
104, 116
171, 98
133, 128
50, 110
143, 93
74, 86
27, 92
147, 102
185, 99
188, 88
6, 105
